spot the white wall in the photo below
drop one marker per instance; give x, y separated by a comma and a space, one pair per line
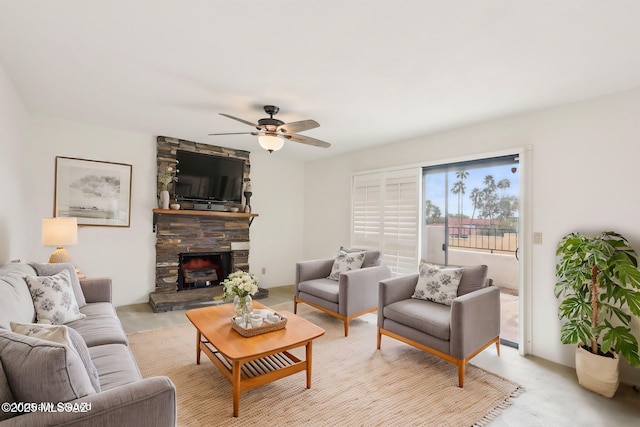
276, 234
584, 169
13, 139
126, 254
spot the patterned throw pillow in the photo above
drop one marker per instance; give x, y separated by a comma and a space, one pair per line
63, 335
437, 284
345, 262
53, 298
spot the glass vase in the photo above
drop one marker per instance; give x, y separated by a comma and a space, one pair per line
242, 305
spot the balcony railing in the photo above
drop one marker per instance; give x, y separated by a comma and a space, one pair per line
485, 239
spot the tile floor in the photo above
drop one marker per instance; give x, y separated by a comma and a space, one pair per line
552, 397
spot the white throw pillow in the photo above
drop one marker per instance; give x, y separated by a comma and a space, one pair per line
437, 284
53, 298
344, 262
63, 335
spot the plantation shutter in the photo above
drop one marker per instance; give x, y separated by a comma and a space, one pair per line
385, 216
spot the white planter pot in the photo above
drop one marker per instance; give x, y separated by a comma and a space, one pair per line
597, 373
164, 199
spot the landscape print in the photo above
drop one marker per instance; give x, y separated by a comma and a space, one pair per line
97, 193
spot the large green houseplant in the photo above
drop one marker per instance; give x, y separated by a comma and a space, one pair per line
599, 285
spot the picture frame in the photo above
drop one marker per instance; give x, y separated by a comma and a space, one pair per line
96, 192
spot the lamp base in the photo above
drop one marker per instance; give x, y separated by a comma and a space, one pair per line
60, 255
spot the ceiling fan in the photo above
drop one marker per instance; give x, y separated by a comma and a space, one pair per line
272, 133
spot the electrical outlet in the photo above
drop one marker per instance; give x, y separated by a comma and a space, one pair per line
537, 238
264, 270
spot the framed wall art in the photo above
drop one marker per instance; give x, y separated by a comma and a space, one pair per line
95, 192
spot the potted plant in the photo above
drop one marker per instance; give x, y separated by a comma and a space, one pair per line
599, 285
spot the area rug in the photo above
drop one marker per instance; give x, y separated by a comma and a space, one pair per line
353, 383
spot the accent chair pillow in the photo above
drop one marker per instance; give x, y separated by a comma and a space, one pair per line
63, 335
38, 370
53, 298
49, 269
344, 262
437, 284
371, 258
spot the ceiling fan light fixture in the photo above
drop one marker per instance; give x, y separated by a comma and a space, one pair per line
270, 143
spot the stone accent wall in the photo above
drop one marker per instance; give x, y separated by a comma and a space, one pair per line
197, 231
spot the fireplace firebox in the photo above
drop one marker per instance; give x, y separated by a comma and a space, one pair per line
202, 269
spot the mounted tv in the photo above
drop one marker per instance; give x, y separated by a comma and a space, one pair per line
207, 178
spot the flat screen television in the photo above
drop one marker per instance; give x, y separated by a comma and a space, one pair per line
208, 178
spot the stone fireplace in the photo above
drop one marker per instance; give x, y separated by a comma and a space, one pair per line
217, 243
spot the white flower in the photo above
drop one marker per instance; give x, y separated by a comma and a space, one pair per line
240, 283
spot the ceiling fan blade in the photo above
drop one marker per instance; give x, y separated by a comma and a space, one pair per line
241, 120
307, 140
301, 126
232, 133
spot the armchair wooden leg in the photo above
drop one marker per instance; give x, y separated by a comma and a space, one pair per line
379, 339
462, 365
295, 306
498, 346
346, 327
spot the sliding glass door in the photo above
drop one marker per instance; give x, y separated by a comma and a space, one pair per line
470, 217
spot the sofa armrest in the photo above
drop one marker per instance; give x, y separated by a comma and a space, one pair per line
475, 320
314, 269
96, 290
147, 403
394, 290
358, 289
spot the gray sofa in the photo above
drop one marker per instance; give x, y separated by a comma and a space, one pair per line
124, 398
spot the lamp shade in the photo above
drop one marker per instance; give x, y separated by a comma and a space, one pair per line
59, 231
270, 143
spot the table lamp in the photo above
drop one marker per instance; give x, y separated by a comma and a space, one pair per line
59, 232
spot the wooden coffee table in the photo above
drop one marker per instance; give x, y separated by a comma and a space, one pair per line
253, 361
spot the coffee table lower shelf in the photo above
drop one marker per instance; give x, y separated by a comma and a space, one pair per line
259, 371
245, 375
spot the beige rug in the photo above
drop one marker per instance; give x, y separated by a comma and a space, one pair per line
353, 383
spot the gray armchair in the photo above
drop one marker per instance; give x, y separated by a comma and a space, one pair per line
454, 333
354, 294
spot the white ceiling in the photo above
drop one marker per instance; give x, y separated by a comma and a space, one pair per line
369, 71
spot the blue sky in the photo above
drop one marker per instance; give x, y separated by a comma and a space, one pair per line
435, 186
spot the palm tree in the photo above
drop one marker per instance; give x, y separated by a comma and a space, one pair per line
503, 184
458, 188
462, 175
476, 199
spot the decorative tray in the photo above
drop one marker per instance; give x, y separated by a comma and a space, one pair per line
266, 327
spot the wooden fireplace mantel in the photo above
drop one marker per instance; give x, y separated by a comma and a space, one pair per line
221, 215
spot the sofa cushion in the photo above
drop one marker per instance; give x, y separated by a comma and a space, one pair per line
371, 258
15, 298
100, 326
42, 371
437, 284
473, 278
344, 262
53, 298
115, 364
326, 289
63, 335
5, 394
426, 316
49, 269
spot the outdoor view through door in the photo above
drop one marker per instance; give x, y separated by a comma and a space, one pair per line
470, 217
